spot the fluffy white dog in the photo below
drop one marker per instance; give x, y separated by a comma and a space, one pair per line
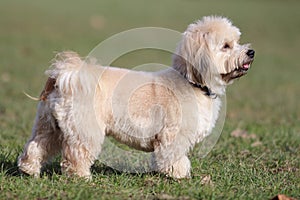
165, 112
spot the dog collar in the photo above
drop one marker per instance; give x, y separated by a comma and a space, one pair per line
205, 89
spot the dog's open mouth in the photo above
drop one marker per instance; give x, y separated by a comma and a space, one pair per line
238, 72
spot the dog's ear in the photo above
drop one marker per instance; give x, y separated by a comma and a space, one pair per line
203, 58
191, 58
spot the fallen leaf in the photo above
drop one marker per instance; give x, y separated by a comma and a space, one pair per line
239, 133
282, 197
245, 152
165, 196
206, 180
255, 144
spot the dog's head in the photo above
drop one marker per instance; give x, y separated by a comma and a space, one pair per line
210, 54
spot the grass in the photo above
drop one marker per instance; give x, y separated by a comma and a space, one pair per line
264, 103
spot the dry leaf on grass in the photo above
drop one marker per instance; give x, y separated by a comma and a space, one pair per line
282, 197
169, 197
239, 133
256, 144
164, 196
206, 180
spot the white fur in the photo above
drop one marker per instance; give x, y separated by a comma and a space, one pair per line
158, 112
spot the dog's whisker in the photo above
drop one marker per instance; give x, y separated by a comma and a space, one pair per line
31, 97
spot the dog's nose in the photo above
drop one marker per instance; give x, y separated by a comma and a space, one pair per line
250, 53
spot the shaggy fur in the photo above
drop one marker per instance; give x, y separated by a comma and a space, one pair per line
165, 112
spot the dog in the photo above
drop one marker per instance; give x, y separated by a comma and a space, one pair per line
165, 113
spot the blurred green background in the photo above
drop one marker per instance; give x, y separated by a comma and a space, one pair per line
32, 31
265, 102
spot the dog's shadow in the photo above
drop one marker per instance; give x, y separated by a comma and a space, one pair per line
54, 167
10, 168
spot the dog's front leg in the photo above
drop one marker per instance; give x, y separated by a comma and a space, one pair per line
169, 159
180, 168
43, 144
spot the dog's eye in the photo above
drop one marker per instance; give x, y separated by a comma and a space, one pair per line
226, 46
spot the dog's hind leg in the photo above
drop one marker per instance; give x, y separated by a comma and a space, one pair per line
79, 151
82, 138
76, 158
44, 143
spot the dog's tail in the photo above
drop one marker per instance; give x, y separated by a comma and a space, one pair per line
70, 75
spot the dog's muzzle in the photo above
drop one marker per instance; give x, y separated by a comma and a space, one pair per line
242, 68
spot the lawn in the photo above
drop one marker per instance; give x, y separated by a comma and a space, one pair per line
258, 153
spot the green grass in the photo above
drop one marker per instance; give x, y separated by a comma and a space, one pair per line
264, 103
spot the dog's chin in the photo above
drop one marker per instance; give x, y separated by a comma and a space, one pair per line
241, 70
